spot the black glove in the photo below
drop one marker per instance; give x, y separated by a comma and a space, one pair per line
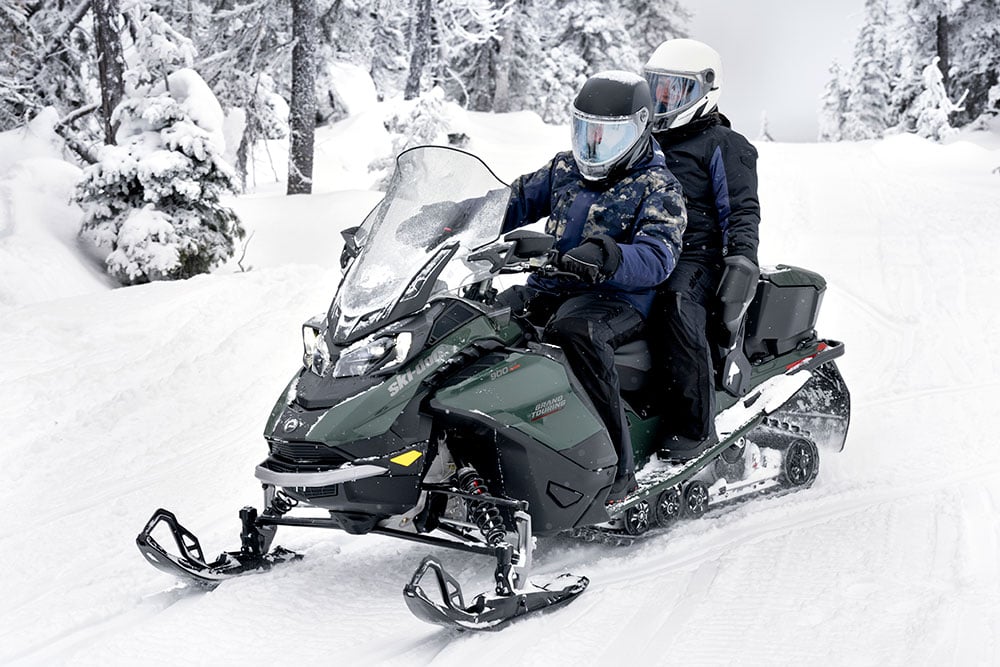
593, 261
351, 249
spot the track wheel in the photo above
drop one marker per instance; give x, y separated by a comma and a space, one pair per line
801, 463
668, 507
636, 519
695, 498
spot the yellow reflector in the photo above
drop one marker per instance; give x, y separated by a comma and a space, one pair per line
406, 459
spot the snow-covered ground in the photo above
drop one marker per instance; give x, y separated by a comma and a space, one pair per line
116, 402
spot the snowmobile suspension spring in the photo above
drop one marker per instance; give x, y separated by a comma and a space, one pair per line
486, 516
283, 503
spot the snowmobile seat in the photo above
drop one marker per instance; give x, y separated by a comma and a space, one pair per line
633, 362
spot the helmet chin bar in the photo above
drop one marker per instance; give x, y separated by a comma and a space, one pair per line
685, 116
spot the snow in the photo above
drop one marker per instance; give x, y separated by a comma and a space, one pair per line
116, 402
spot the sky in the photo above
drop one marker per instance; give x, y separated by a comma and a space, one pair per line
776, 55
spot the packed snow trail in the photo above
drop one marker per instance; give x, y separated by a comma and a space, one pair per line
114, 403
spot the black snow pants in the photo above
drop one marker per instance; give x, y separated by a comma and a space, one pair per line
588, 328
682, 353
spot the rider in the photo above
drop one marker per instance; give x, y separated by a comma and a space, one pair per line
717, 167
618, 217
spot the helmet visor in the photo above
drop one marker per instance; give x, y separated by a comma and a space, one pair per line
599, 140
673, 92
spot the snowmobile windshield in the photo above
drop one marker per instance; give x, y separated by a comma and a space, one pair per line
440, 206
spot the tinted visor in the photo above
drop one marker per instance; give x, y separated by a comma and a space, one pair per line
673, 92
599, 140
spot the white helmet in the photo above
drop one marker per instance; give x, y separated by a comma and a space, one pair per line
685, 78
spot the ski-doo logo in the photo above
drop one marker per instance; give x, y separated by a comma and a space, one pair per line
547, 407
424, 365
291, 425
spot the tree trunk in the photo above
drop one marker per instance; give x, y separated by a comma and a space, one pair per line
303, 109
110, 62
501, 90
942, 47
420, 39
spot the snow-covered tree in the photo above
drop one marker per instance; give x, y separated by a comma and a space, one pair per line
654, 21
424, 120
597, 30
932, 109
21, 44
154, 48
866, 115
154, 199
764, 134
390, 55
834, 101
975, 57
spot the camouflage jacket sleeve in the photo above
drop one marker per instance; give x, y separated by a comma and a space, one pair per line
660, 222
530, 198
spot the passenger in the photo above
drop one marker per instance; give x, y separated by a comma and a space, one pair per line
717, 168
618, 217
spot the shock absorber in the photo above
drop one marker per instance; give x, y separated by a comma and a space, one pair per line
485, 515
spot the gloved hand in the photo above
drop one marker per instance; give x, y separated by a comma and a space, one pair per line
593, 261
351, 249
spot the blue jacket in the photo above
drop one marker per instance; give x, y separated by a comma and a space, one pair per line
643, 211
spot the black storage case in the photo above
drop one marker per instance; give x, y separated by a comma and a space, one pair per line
783, 312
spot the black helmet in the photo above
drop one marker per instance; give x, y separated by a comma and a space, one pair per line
612, 117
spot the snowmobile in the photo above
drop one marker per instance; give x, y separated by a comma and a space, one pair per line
425, 411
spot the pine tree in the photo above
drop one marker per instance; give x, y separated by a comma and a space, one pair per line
16, 101
866, 115
153, 47
389, 48
831, 119
655, 21
764, 134
932, 108
975, 57
155, 198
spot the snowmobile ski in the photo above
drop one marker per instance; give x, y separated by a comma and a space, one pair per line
190, 564
487, 612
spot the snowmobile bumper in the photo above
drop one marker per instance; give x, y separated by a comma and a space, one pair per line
487, 612
190, 562
314, 479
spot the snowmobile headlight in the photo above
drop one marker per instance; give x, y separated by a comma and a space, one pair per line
378, 353
315, 353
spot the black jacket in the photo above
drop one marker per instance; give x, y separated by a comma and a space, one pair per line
717, 168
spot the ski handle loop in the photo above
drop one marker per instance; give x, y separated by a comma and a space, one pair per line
451, 590
187, 543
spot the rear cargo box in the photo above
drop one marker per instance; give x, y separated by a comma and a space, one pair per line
783, 312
